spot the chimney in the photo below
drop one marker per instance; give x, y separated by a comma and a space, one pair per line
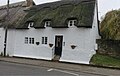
29, 3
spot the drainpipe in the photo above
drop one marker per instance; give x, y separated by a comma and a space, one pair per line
5, 42
98, 18
6, 28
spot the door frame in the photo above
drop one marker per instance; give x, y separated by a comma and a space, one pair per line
58, 50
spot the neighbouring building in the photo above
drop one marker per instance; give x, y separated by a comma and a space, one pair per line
16, 14
63, 30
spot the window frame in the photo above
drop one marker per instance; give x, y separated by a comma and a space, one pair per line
45, 40
30, 24
26, 40
42, 40
72, 22
47, 23
29, 40
33, 40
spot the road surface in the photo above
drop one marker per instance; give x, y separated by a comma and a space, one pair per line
14, 69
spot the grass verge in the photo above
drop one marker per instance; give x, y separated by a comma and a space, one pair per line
104, 60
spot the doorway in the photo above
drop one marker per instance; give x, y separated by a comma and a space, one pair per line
58, 48
58, 45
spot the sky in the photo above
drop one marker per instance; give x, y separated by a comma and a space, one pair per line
103, 5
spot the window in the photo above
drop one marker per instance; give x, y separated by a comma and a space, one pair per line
72, 23
31, 24
44, 40
26, 40
31, 40
47, 23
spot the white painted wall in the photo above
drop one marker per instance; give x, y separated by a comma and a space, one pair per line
11, 42
2, 37
17, 47
87, 44
83, 38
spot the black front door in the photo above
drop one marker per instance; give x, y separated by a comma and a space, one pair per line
58, 45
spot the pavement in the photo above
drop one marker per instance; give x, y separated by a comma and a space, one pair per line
65, 66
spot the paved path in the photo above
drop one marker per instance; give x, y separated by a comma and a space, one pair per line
65, 66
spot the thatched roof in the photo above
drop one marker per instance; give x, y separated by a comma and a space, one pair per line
16, 14
110, 26
60, 12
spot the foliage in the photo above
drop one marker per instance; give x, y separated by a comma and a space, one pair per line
109, 47
110, 26
1, 54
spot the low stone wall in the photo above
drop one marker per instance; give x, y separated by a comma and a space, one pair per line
109, 47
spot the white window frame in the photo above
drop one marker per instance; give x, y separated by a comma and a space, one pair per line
33, 40
26, 40
72, 23
30, 24
42, 40
29, 40
45, 40
47, 23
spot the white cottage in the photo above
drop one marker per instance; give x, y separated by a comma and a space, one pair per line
63, 30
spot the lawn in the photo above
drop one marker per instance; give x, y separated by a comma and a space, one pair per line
104, 60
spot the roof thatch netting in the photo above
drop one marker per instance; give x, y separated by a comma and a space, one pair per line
110, 26
59, 12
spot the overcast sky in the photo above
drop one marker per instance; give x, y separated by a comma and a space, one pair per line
104, 5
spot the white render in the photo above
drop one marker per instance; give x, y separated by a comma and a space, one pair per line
2, 38
87, 44
83, 38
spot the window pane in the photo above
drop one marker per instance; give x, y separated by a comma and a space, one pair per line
32, 40
75, 22
26, 40
42, 40
47, 23
31, 24
72, 23
45, 40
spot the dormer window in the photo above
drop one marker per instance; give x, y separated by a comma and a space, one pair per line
47, 23
30, 24
72, 23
